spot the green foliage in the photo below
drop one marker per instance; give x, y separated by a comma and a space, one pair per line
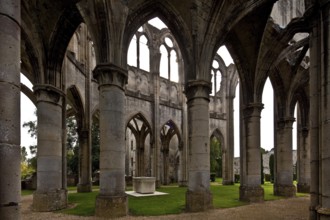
72, 146
95, 147
215, 157
262, 166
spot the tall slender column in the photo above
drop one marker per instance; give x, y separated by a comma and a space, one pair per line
228, 174
250, 189
198, 196
85, 183
10, 151
50, 194
112, 200
284, 166
315, 87
304, 174
324, 208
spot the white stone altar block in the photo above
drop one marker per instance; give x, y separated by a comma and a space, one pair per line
144, 185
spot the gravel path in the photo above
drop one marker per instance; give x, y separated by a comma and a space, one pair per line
284, 209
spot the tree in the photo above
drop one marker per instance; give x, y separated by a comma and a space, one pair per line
95, 146
215, 157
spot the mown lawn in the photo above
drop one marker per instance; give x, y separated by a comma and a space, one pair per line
172, 203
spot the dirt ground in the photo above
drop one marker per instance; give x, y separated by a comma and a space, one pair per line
285, 209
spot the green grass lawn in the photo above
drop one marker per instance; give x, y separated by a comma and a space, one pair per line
172, 203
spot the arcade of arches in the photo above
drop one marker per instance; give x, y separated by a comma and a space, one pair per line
160, 94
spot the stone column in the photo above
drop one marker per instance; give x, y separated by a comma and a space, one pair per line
283, 185
10, 151
198, 196
112, 200
324, 153
50, 194
85, 183
228, 174
250, 178
314, 133
304, 173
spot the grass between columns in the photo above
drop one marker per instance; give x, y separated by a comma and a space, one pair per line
83, 204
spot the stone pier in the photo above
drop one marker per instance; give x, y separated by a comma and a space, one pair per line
10, 151
198, 196
250, 189
85, 183
283, 185
50, 195
112, 200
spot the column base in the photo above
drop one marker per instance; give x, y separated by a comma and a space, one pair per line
81, 188
50, 201
227, 182
303, 188
183, 183
198, 201
251, 194
111, 206
323, 213
10, 211
285, 190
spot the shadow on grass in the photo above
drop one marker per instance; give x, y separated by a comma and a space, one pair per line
172, 203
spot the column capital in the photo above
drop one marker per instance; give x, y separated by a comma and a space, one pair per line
108, 74
252, 109
285, 122
198, 89
48, 93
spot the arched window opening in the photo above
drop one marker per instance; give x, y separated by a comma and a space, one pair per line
174, 77
144, 53
215, 157
156, 22
138, 160
267, 117
132, 52
168, 42
170, 152
163, 67
225, 55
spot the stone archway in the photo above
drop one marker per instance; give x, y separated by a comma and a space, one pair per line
138, 161
171, 149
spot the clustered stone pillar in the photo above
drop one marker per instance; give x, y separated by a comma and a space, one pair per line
319, 111
250, 177
283, 159
112, 200
50, 194
198, 196
10, 151
324, 205
304, 174
85, 183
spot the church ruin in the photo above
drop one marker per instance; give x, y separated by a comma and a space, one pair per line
160, 95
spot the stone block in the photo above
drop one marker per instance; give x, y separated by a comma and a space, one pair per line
50, 201
144, 185
198, 201
111, 206
251, 193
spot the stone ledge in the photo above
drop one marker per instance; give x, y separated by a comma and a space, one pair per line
111, 206
198, 201
50, 201
251, 193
